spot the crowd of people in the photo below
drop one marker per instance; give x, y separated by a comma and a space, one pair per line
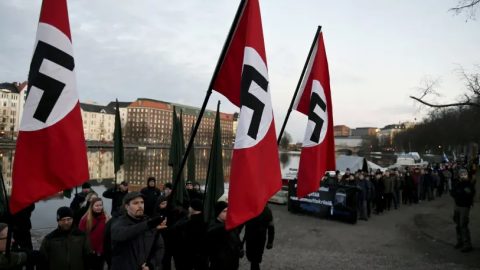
379, 191
145, 230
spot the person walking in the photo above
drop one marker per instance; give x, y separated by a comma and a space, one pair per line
463, 192
93, 223
259, 231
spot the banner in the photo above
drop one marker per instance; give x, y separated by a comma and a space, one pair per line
331, 201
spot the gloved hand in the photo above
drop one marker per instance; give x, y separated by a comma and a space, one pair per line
467, 190
153, 223
269, 245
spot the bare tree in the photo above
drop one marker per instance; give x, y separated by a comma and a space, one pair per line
471, 97
286, 140
466, 6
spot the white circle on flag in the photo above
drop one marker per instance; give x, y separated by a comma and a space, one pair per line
317, 88
69, 96
243, 140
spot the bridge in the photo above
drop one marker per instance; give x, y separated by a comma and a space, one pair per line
339, 150
346, 150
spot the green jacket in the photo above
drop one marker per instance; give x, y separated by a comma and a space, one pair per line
16, 259
388, 184
67, 250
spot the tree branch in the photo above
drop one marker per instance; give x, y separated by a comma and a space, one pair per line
466, 5
445, 105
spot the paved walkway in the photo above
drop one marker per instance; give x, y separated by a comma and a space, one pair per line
438, 223
417, 237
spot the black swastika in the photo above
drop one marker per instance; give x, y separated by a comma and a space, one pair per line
249, 75
315, 101
52, 88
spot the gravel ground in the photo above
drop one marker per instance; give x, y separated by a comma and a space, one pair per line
392, 241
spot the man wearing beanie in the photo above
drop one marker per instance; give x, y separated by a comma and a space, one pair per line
117, 196
463, 192
223, 246
75, 252
133, 234
190, 239
167, 189
79, 198
150, 193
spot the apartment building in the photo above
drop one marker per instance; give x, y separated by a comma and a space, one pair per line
150, 122
98, 122
12, 101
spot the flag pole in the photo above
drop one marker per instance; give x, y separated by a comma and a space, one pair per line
299, 84
221, 58
225, 48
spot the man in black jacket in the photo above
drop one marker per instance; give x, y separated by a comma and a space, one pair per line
256, 231
133, 237
463, 192
117, 195
79, 198
223, 246
150, 193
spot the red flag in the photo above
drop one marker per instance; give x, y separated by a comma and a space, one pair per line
243, 78
51, 154
314, 99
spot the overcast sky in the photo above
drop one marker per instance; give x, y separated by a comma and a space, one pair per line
378, 51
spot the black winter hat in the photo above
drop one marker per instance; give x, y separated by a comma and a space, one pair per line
151, 178
132, 195
348, 169
86, 185
167, 185
64, 212
161, 199
188, 183
124, 183
196, 205
219, 207
378, 173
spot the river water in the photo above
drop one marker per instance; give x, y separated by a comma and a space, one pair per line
139, 165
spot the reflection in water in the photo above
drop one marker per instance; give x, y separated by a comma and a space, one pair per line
139, 165
284, 159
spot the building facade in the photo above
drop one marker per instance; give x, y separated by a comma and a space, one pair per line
98, 122
364, 131
150, 122
386, 134
123, 106
12, 102
341, 131
236, 115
